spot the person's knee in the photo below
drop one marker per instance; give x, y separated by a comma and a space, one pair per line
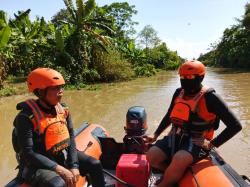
155, 156
43, 177
90, 165
56, 182
182, 159
150, 155
96, 163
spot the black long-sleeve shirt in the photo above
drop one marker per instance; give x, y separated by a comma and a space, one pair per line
215, 105
32, 149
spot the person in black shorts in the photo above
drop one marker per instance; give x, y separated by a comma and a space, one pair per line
194, 115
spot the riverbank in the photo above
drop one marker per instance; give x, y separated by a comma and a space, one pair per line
17, 85
11, 88
227, 69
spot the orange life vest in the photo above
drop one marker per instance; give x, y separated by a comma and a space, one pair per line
196, 106
52, 129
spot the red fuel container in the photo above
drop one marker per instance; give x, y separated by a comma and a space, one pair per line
133, 169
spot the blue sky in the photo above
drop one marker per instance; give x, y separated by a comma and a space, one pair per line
188, 26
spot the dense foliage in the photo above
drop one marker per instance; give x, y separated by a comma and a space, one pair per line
234, 48
86, 43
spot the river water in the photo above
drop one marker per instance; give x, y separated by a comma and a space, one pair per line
108, 106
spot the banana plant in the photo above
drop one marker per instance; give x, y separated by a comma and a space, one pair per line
28, 43
5, 33
86, 30
83, 17
86, 25
5, 30
134, 54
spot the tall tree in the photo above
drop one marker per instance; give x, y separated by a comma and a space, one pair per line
148, 37
233, 49
246, 17
120, 13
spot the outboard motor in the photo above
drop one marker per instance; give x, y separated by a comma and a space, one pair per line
133, 166
136, 127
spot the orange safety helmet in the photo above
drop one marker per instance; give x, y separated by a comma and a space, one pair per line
42, 78
192, 67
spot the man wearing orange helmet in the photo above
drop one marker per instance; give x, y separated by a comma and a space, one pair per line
45, 136
194, 112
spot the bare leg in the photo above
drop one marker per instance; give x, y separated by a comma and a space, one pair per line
157, 158
181, 160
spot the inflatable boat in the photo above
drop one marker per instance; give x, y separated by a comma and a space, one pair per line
124, 163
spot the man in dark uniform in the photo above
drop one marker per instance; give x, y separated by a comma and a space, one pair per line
48, 155
194, 113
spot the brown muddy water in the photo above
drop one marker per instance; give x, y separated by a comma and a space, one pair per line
108, 106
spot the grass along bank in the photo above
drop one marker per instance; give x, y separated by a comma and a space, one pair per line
17, 85
18, 88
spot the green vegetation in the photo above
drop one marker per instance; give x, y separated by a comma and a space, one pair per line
13, 85
86, 43
233, 50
